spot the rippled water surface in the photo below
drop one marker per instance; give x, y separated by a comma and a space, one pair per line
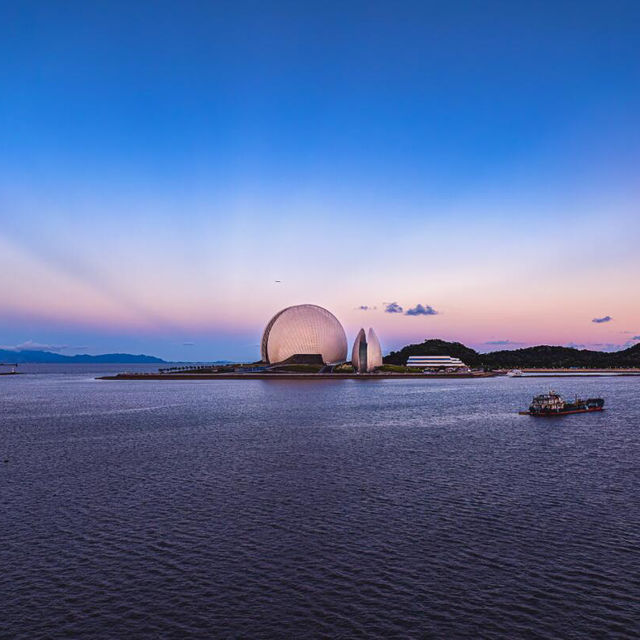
303, 509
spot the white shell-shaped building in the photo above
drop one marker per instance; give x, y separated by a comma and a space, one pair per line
366, 354
359, 352
374, 351
304, 329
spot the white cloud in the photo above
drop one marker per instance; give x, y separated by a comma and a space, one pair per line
30, 345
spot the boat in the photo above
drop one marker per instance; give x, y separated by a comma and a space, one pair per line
552, 404
514, 373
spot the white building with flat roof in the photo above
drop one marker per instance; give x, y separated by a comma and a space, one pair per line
435, 362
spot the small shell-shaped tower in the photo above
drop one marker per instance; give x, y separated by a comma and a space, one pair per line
359, 352
374, 351
366, 354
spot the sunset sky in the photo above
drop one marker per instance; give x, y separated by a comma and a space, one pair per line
163, 164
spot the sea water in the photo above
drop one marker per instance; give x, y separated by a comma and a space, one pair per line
261, 509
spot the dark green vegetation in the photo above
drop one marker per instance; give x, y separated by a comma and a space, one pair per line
47, 356
532, 357
435, 348
562, 357
396, 368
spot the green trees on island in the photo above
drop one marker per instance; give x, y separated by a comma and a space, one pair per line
434, 348
543, 356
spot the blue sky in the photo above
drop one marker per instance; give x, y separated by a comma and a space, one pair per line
164, 163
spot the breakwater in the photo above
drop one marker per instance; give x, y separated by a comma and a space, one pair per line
293, 376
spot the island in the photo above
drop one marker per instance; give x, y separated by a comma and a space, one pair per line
28, 356
540, 359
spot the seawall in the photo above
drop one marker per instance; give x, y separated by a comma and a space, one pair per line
291, 376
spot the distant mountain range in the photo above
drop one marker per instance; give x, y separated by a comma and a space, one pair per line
21, 357
543, 356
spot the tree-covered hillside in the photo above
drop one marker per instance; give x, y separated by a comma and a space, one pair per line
435, 348
543, 356
561, 357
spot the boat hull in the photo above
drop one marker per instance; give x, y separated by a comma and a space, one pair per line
553, 414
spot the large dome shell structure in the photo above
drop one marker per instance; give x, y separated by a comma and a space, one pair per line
304, 329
